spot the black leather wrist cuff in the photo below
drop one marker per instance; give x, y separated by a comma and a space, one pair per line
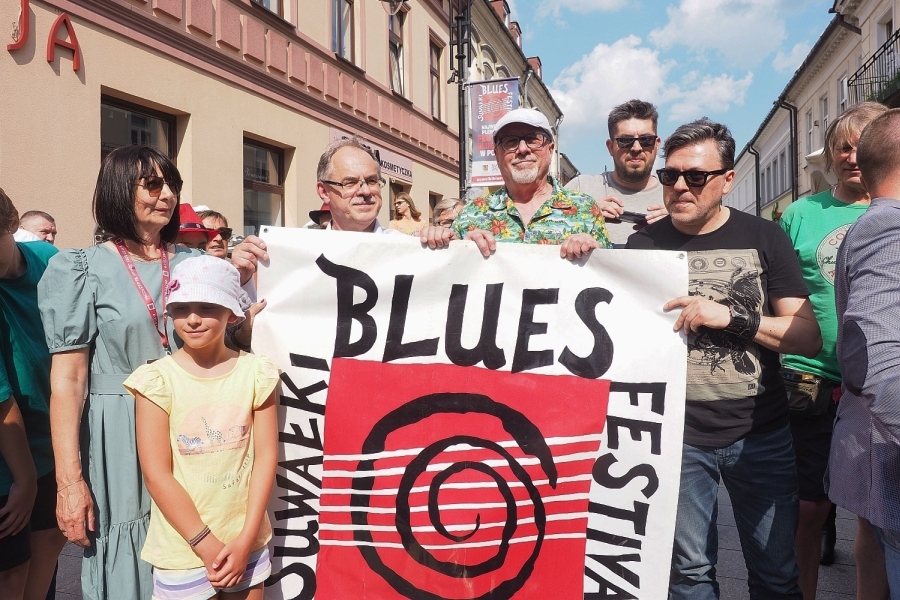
746, 329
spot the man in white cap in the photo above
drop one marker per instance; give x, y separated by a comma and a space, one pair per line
531, 208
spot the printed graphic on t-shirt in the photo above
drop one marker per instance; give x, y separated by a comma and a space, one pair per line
214, 428
826, 253
720, 365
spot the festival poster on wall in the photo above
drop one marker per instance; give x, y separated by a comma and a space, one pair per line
488, 102
454, 427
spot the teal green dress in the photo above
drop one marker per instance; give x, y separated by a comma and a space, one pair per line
88, 300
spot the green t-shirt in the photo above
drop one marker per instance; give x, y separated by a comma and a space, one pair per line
26, 360
816, 226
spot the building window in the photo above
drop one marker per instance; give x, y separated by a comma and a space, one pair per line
395, 40
776, 182
843, 95
342, 28
263, 186
273, 5
435, 60
823, 110
885, 28
126, 124
809, 132
784, 177
762, 187
769, 186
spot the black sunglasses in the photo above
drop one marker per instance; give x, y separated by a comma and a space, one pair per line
693, 179
646, 141
154, 184
225, 232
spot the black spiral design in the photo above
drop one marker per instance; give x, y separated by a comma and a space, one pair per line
526, 435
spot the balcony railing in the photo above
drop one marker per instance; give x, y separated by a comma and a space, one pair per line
879, 77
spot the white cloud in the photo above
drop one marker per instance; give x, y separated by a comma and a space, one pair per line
582, 7
790, 61
609, 75
707, 95
743, 31
513, 9
612, 74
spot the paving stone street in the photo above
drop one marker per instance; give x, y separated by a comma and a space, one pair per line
836, 582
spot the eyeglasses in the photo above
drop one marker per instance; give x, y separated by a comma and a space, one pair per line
445, 223
350, 186
535, 140
646, 141
225, 232
154, 184
693, 179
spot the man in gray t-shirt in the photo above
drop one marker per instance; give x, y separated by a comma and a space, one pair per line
631, 186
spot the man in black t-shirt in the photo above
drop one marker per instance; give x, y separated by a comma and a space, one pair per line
747, 303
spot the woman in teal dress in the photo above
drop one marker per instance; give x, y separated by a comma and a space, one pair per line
99, 329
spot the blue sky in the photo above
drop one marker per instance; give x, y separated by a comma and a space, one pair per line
724, 59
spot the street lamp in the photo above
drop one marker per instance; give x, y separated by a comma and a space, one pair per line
461, 44
392, 7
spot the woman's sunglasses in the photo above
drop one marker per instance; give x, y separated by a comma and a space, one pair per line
154, 184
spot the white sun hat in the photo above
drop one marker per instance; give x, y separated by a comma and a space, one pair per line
210, 280
526, 116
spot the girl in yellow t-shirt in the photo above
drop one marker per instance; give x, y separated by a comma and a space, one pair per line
207, 443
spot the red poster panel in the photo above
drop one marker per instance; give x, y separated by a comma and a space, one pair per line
449, 482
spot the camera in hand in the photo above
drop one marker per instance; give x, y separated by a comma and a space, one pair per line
632, 217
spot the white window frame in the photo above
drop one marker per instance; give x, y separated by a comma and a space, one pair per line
809, 131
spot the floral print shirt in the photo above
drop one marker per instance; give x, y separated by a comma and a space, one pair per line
563, 214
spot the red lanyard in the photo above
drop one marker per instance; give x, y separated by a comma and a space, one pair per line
142, 289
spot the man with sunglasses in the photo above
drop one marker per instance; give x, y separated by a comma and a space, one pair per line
531, 207
747, 304
629, 196
216, 221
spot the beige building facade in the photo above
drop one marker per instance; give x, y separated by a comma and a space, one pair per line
243, 95
854, 60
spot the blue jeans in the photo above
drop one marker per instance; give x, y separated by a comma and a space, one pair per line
760, 476
890, 545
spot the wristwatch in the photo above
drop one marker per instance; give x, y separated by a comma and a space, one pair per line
742, 323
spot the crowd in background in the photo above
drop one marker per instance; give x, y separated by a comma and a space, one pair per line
77, 323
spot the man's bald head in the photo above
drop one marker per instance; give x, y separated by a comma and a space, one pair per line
878, 155
40, 224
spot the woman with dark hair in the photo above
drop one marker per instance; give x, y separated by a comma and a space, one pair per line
103, 310
407, 219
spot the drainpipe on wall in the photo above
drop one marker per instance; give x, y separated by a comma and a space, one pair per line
755, 154
528, 74
795, 158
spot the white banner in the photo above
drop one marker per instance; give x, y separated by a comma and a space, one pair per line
460, 427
